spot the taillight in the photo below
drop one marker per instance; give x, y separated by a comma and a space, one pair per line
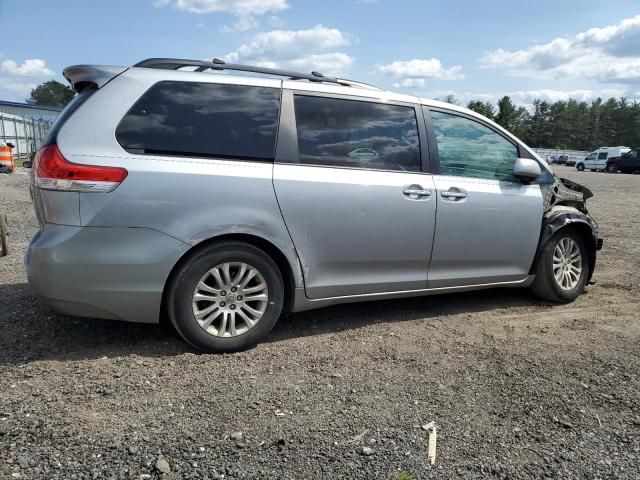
53, 172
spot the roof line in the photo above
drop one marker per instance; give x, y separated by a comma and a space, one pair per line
218, 64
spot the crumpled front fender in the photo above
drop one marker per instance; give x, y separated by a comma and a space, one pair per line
559, 217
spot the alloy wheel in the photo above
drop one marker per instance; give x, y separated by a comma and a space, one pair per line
567, 263
230, 299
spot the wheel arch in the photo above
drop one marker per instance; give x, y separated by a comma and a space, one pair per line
288, 272
561, 218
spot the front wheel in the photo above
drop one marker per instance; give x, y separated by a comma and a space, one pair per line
562, 268
580, 167
226, 298
612, 168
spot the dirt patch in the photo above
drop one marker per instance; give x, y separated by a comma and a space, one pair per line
519, 389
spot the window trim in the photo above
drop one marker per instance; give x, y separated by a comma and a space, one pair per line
206, 156
287, 150
435, 155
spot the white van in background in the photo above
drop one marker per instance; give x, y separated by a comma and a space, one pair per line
597, 160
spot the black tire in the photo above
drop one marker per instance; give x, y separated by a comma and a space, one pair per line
612, 167
545, 285
183, 284
592, 169
580, 167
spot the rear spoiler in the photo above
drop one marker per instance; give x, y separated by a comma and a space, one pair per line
83, 76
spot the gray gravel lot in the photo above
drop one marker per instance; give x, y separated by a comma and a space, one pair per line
519, 389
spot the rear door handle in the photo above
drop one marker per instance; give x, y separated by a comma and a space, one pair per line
416, 191
453, 195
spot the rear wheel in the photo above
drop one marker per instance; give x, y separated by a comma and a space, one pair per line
580, 167
612, 167
562, 268
226, 298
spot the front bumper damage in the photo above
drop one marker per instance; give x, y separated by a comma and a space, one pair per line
565, 203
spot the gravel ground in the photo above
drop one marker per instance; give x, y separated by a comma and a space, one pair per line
519, 389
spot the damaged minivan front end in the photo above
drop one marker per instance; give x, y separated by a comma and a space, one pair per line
565, 205
566, 192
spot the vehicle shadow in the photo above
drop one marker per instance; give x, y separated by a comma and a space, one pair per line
30, 331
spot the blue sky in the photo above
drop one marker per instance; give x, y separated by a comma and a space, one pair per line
472, 49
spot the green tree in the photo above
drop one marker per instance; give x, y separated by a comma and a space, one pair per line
51, 93
483, 108
450, 99
507, 116
568, 124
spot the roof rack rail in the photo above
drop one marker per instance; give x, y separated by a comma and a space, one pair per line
218, 64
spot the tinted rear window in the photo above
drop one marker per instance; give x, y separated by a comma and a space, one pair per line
357, 134
203, 119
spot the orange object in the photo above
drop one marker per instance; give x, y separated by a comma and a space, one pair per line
6, 157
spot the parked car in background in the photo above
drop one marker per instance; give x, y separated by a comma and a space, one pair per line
227, 200
562, 159
597, 160
628, 162
551, 159
570, 162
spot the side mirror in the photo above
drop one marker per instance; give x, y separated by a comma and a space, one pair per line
526, 169
10, 145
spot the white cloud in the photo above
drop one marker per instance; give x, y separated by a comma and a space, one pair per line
332, 64
410, 83
11, 90
241, 25
420, 68
33, 67
304, 50
276, 22
234, 7
610, 53
288, 43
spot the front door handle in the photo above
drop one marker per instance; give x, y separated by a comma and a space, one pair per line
415, 191
453, 195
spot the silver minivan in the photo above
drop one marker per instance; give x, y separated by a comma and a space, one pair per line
226, 195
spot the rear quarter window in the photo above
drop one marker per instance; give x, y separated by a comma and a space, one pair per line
203, 120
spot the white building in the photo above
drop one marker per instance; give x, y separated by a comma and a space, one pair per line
25, 126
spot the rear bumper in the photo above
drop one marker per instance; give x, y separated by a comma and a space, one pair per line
102, 272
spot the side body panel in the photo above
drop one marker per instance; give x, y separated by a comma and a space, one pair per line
102, 272
487, 229
489, 236
355, 230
